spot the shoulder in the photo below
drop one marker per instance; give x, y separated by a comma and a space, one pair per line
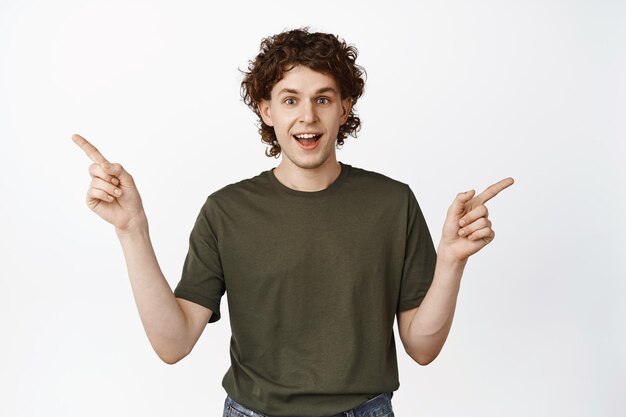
378, 183
239, 193
253, 185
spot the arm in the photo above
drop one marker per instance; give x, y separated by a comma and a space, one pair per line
172, 325
424, 329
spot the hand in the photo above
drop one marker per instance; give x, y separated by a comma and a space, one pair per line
112, 194
467, 228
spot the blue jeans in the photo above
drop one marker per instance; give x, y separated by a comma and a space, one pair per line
379, 406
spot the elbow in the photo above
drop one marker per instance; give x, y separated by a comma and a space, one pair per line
171, 358
422, 358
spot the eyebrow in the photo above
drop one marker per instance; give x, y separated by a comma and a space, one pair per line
320, 91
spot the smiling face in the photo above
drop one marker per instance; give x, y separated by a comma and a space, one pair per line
306, 110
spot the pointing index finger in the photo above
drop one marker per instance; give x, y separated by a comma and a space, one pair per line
494, 189
91, 151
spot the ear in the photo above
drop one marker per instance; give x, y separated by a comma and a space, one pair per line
346, 106
264, 109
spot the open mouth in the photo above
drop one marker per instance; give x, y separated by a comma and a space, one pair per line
307, 140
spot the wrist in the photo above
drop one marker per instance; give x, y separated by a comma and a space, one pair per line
447, 257
136, 226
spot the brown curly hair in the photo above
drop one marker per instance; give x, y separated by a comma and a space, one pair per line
321, 52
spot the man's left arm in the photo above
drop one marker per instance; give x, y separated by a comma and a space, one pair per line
466, 230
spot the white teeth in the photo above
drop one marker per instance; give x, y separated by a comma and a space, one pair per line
306, 136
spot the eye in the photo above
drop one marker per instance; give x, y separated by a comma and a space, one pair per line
323, 100
290, 101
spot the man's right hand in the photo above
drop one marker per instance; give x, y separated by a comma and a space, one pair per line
112, 194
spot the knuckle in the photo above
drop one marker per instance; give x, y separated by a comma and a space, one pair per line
99, 183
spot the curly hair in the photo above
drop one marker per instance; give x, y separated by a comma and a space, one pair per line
321, 52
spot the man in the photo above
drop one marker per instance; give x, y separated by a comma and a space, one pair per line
315, 256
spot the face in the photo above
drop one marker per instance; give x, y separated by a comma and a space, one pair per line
306, 111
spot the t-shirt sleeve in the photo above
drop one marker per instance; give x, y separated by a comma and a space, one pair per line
419, 259
202, 280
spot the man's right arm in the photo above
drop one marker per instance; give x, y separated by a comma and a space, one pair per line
173, 325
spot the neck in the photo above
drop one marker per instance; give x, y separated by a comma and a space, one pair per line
307, 179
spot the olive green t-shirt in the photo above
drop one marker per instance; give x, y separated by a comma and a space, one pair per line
313, 282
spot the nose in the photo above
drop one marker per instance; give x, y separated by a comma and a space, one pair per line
307, 113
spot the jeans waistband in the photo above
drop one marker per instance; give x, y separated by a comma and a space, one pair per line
377, 406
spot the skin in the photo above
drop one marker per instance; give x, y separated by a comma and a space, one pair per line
303, 101
306, 101
173, 325
466, 230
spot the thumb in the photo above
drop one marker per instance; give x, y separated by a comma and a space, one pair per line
458, 205
118, 171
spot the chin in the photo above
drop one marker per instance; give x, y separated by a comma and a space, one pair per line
309, 163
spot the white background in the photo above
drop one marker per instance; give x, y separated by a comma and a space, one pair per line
459, 95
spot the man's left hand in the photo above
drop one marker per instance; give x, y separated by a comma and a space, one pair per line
467, 228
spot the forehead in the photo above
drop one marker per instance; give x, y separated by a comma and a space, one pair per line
304, 80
